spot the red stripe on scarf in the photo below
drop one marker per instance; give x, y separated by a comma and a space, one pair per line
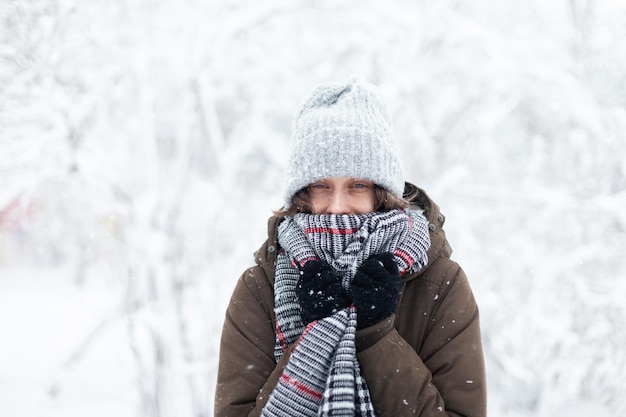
331, 230
405, 257
304, 261
305, 389
281, 337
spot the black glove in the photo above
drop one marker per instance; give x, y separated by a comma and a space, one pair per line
376, 289
319, 291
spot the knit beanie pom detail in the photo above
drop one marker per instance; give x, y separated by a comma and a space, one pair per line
343, 130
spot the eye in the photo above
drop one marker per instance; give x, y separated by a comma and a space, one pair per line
317, 186
361, 185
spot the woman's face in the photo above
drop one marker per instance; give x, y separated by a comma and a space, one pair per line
341, 195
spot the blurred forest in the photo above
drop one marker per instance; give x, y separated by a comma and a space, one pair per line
142, 147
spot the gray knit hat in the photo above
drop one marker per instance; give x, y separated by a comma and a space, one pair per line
343, 130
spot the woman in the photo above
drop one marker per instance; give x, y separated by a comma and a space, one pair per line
354, 306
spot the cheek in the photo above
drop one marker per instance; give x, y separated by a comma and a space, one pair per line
316, 206
366, 204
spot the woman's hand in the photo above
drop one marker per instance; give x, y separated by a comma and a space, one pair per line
376, 289
319, 291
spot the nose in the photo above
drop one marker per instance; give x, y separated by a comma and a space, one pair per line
338, 203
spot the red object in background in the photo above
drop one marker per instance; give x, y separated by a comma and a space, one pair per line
14, 215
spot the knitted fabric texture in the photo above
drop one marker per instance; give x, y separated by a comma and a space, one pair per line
343, 130
323, 376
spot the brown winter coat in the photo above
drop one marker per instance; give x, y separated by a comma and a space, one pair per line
427, 360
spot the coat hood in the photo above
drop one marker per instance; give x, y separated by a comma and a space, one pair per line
266, 255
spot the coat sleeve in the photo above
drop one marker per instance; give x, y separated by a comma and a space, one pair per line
442, 373
247, 372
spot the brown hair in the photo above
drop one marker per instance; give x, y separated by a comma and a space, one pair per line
383, 201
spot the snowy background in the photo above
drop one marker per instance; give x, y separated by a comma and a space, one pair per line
142, 147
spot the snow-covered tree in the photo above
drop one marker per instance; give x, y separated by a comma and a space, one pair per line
142, 143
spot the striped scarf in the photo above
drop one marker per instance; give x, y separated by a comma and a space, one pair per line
322, 377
